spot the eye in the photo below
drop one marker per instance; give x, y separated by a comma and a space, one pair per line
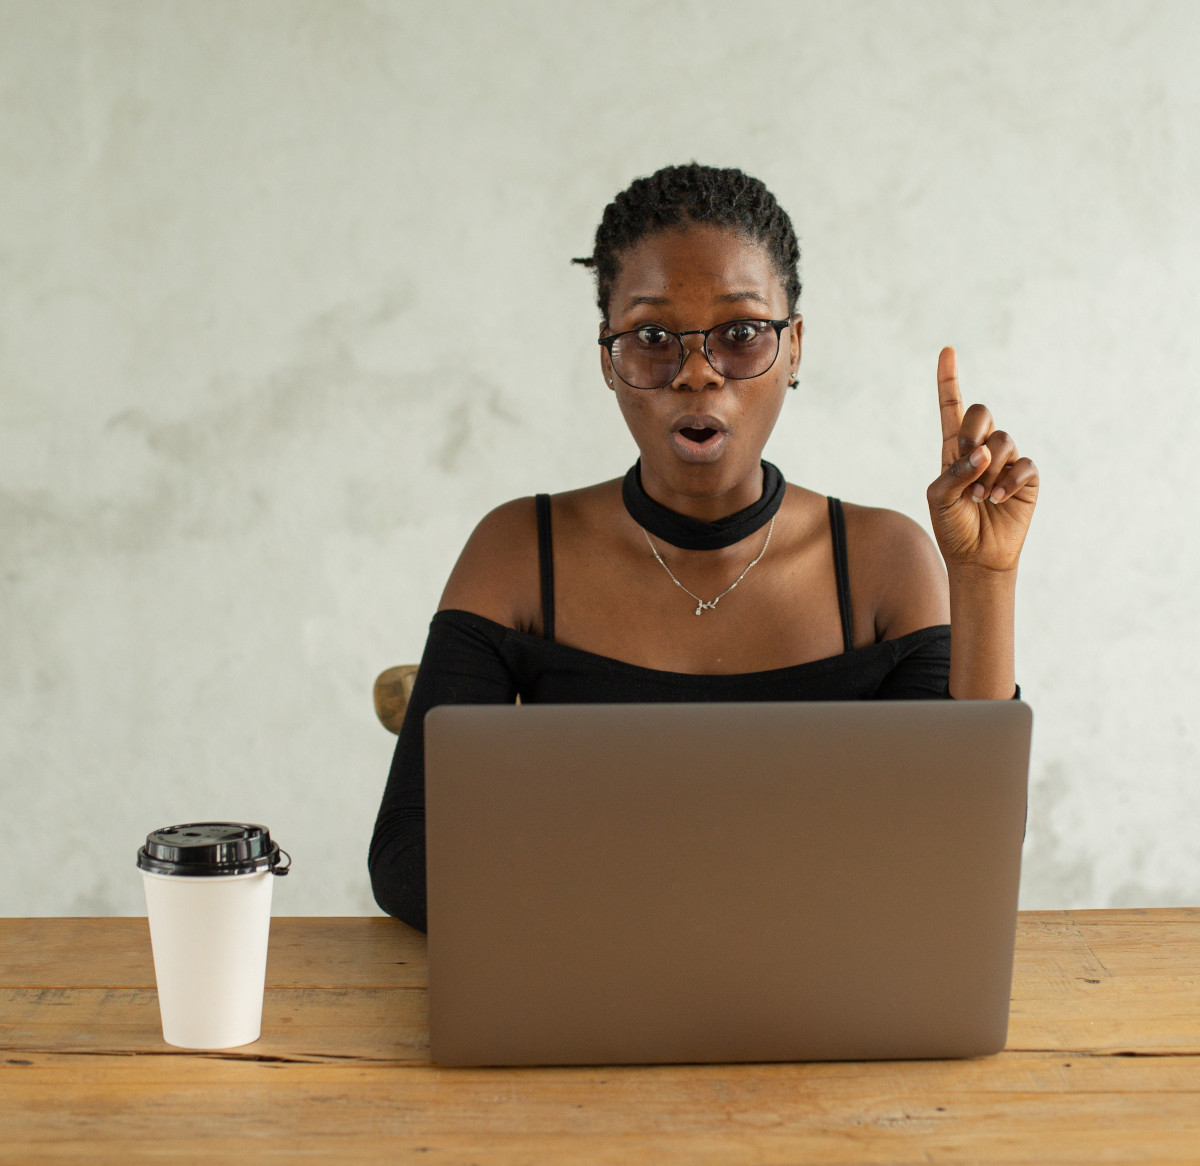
651, 335
739, 332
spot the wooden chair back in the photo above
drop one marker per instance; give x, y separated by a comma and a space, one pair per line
393, 687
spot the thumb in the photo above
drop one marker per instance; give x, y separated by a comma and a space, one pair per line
958, 477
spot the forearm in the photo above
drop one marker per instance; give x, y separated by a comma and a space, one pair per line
397, 868
981, 634
462, 664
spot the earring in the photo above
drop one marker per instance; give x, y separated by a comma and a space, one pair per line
793, 382
610, 380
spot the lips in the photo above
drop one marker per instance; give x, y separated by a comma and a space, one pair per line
698, 437
698, 426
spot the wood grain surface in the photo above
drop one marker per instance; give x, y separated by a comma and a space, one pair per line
1102, 1065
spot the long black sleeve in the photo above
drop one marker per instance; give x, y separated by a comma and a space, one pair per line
462, 664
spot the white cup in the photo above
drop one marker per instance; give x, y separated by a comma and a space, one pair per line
208, 897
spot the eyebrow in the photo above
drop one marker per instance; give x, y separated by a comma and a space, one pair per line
727, 298
734, 297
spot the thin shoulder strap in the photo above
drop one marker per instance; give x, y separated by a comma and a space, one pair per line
841, 567
546, 564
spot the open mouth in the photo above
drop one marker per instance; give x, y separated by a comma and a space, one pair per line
699, 443
699, 437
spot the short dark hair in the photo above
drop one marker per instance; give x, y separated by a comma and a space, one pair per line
677, 195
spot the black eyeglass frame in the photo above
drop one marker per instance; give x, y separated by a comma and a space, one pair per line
609, 341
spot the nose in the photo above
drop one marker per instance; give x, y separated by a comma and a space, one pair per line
696, 373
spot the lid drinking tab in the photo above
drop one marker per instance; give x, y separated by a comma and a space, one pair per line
210, 849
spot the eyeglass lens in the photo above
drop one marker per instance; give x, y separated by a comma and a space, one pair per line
651, 357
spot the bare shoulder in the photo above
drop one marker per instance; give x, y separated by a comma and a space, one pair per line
588, 510
496, 575
888, 533
896, 571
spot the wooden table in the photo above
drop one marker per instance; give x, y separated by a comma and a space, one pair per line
1102, 1065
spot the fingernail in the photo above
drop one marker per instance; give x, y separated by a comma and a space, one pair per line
977, 492
997, 495
977, 456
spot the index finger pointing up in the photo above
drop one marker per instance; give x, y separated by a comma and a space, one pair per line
950, 403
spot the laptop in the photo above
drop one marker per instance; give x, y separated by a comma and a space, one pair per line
663, 883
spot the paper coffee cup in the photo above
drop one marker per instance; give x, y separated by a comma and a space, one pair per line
208, 898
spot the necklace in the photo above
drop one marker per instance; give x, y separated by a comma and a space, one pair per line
710, 604
694, 534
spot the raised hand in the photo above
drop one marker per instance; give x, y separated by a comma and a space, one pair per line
983, 501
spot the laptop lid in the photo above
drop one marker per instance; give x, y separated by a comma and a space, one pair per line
696, 882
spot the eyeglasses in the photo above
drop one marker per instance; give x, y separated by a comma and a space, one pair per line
651, 356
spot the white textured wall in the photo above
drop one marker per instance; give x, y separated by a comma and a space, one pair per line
264, 271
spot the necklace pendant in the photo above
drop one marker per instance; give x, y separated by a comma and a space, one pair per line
703, 605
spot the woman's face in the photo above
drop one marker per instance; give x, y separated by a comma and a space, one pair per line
701, 437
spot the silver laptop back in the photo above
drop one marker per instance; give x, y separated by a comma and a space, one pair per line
722, 882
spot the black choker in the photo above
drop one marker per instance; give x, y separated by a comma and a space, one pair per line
692, 534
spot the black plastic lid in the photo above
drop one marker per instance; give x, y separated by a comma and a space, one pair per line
211, 849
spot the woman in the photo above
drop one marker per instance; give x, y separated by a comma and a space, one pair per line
702, 575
